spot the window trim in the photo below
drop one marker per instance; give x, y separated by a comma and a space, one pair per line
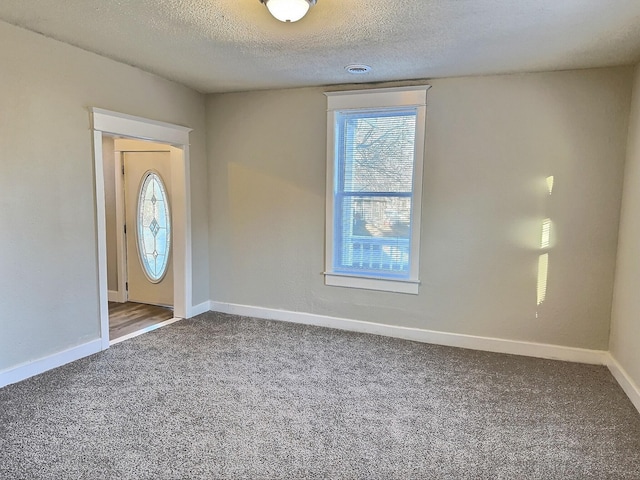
375, 99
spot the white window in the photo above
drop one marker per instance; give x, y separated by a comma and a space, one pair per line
375, 150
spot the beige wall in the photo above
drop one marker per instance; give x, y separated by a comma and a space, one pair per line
625, 325
491, 142
48, 258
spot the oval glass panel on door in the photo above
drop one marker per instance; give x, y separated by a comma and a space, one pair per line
153, 227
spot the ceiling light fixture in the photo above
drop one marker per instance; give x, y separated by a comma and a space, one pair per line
288, 10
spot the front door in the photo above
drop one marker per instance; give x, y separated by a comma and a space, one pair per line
147, 187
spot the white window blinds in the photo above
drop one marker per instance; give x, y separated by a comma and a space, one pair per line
375, 157
373, 194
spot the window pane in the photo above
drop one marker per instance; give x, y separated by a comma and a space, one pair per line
377, 151
154, 229
372, 235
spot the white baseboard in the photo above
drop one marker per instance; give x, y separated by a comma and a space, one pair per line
626, 382
498, 345
29, 369
200, 308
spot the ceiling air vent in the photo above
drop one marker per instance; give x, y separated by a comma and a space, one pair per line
358, 69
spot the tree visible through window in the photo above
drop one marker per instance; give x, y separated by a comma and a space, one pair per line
374, 197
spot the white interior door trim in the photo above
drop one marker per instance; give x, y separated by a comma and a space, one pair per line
101, 239
120, 124
120, 237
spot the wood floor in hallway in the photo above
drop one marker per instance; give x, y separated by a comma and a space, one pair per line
129, 317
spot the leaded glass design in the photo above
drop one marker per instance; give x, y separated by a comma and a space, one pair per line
154, 227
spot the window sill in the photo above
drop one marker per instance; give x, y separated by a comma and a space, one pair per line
379, 284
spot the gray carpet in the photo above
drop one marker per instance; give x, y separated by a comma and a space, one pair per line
224, 397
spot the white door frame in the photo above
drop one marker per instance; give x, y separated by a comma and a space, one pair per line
121, 254
122, 125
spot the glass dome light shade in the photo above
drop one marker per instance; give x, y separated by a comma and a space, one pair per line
288, 10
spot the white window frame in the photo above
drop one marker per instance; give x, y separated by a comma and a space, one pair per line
372, 99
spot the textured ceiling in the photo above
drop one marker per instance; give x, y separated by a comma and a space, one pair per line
231, 45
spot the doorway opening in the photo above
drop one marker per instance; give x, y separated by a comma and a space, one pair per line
143, 227
138, 206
